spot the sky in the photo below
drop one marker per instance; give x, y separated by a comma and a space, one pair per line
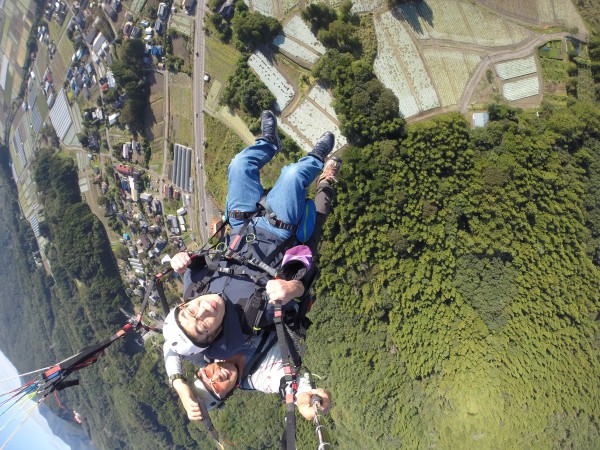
35, 433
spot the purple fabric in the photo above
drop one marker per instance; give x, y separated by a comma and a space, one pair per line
299, 253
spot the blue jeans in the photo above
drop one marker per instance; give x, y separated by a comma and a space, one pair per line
287, 197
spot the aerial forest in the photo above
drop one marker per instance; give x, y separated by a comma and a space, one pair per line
458, 303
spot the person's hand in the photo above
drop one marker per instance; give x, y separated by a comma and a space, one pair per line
192, 408
187, 398
181, 261
284, 291
303, 401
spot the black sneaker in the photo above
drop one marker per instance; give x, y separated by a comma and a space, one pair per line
323, 146
268, 126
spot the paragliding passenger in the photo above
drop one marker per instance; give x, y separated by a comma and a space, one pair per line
232, 289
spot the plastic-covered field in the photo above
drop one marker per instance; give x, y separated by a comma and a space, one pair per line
519, 89
399, 67
516, 68
460, 21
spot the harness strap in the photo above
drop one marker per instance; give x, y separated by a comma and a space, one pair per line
241, 215
289, 382
271, 217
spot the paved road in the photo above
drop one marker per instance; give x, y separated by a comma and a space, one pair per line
504, 55
199, 221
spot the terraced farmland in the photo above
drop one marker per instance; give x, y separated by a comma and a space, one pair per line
297, 41
459, 21
399, 67
450, 71
312, 118
273, 79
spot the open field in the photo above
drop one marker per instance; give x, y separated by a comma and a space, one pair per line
183, 23
137, 6
212, 99
180, 98
220, 59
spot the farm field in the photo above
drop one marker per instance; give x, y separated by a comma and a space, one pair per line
516, 68
220, 59
273, 79
362, 6
450, 72
526, 87
212, 99
312, 118
183, 23
585, 83
399, 67
265, 7
180, 107
137, 6
155, 115
521, 9
298, 42
62, 58
460, 21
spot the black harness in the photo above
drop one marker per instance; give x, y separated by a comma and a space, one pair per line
286, 323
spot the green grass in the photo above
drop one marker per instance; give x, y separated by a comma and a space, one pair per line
222, 145
585, 84
552, 49
180, 97
220, 59
553, 70
8, 86
137, 6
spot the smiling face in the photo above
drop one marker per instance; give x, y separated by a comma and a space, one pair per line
201, 318
219, 378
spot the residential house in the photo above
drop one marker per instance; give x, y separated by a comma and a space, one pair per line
226, 10
163, 11
98, 43
112, 119
126, 151
158, 26
110, 12
110, 79
123, 169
